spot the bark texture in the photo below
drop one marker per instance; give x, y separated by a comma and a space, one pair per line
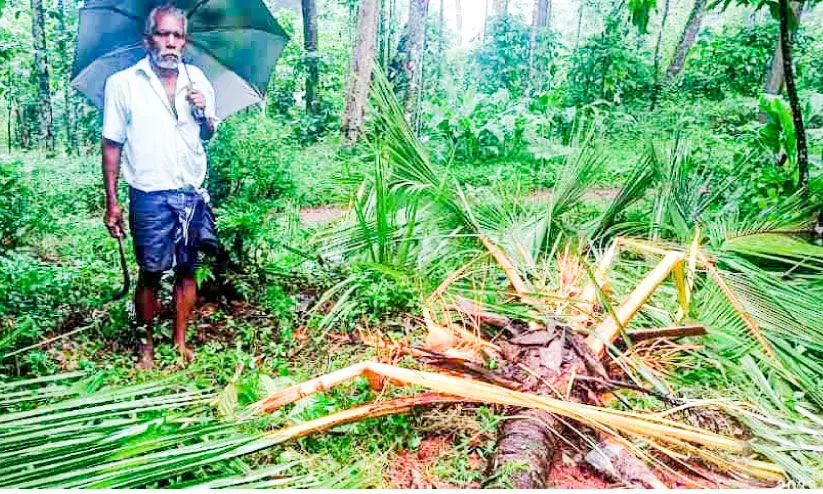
360, 70
776, 75
794, 101
45, 123
542, 13
542, 361
309, 8
524, 452
657, 53
687, 39
411, 56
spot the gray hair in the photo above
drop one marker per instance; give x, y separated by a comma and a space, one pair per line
167, 9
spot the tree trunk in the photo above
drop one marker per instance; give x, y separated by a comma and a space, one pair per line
579, 22
500, 7
459, 15
794, 101
687, 39
775, 77
656, 88
540, 20
41, 70
62, 47
309, 8
442, 47
360, 70
486, 21
542, 13
412, 55
8, 123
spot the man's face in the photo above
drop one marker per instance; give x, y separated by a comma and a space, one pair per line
167, 42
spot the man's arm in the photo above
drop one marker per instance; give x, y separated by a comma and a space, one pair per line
111, 171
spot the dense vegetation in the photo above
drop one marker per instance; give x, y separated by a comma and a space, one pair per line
551, 140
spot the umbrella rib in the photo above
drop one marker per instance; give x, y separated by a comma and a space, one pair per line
116, 10
220, 62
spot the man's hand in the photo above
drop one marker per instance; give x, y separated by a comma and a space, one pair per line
196, 99
114, 221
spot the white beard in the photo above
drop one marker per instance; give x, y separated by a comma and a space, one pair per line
164, 63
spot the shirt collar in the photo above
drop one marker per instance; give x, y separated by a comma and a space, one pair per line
144, 66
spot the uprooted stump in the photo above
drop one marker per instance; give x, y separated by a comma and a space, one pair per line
549, 362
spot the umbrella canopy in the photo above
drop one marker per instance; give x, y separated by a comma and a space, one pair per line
235, 42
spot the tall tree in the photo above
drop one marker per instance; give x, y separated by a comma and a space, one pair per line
411, 54
41, 73
542, 13
459, 19
500, 7
657, 52
540, 21
579, 22
775, 76
62, 48
360, 69
309, 8
786, 16
687, 38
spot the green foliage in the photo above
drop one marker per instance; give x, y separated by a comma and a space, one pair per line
606, 68
17, 216
640, 11
731, 61
505, 59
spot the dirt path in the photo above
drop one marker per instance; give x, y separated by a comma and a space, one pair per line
322, 215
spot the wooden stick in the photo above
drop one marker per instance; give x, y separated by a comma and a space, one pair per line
608, 330
672, 332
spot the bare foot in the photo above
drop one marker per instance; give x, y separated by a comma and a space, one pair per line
145, 354
185, 352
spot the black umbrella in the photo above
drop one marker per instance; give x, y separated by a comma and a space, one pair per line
235, 42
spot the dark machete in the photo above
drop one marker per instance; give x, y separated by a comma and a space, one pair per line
126, 280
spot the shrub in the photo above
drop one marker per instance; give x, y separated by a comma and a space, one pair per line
606, 67
16, 215
733, 60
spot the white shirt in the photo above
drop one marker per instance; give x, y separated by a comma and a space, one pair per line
161, 151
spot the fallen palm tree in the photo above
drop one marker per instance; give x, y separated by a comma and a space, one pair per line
566, 278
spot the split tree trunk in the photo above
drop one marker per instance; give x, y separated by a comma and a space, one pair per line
412, 56
41, 71
794, 101
360, 69
309, 8
687, 39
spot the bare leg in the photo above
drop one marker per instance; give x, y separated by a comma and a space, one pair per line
147, 306
185, 294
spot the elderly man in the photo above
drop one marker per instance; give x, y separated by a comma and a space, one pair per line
155, 115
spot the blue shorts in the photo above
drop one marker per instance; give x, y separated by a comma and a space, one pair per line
170, 228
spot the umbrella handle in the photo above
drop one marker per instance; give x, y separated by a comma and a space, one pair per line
198, 113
